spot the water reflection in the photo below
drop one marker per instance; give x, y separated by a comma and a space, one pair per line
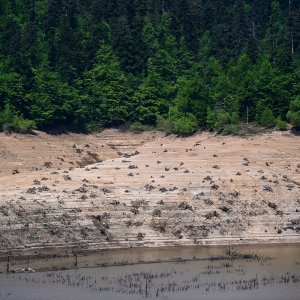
237, 277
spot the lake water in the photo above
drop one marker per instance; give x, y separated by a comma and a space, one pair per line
266, 272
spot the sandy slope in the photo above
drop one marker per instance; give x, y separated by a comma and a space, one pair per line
113, 189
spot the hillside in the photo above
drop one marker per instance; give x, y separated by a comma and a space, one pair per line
185, 64
74, 192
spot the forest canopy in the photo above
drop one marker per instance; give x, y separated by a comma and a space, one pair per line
178, 64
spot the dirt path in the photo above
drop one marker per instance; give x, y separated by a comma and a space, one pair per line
115, 190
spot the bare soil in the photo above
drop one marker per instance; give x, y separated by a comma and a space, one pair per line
74, 192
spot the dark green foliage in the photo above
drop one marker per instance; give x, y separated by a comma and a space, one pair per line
182, 123
192, 97
11, 121
267, 118
281, 125
220, 119
138, 127
105, 93
164, 124
151, 98
51, 101
179, 64
294, 113
11, 87
230, 129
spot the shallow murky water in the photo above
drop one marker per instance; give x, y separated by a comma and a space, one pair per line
260, 273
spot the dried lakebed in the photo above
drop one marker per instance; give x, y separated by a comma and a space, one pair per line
256, 272
73, 193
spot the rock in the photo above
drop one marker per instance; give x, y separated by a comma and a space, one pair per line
185, 206
43, 189
149, 187
272, 205
140, 236
132, 167
48, 164
215, 187
225, 209
67, 178
15, 171
163, 190
31, 191
267, 188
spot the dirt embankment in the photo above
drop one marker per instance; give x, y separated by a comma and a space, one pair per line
66, 193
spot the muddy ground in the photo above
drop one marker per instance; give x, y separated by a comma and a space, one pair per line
72, 192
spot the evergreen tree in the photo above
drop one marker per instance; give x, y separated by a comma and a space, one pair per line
51, 101
276, 40
98, 63
193, 98
106, 93
11, 88
293, 114
241, 28
152, 97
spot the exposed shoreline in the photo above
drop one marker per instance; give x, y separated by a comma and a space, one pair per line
75, 193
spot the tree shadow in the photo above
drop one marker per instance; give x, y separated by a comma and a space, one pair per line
295, 131
62, 129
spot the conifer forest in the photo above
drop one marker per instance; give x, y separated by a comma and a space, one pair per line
180, 65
